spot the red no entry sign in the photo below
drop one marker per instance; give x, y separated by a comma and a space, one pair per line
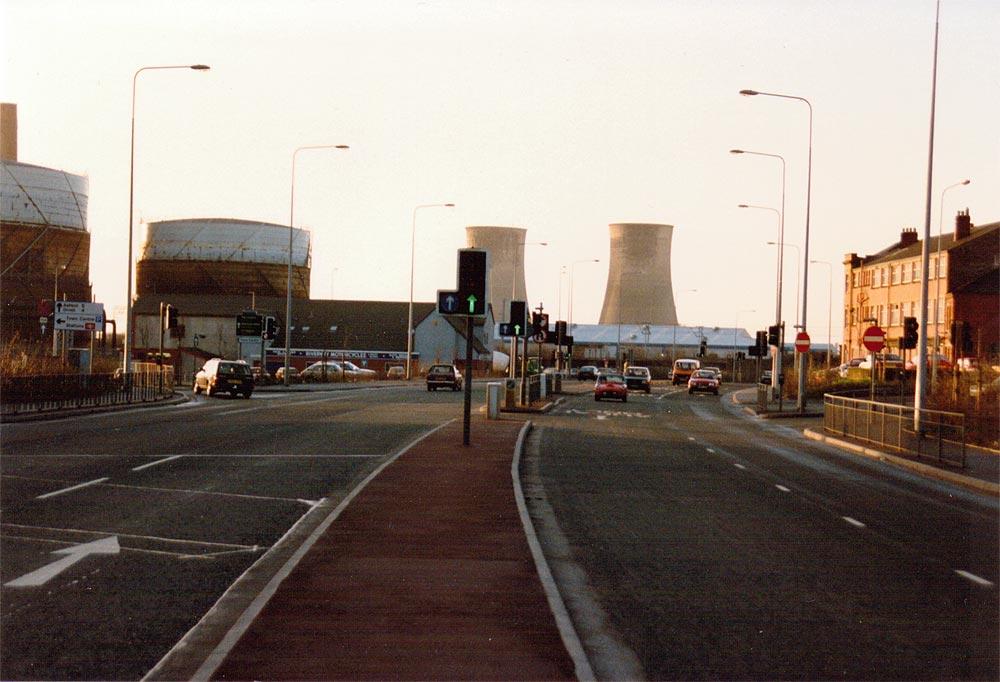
802, 342
874, 339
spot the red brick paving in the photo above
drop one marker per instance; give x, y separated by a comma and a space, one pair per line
425, 575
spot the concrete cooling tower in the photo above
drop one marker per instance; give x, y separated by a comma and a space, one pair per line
506, 249
639, 289
222, 256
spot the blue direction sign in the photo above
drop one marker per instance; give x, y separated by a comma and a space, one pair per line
449, 303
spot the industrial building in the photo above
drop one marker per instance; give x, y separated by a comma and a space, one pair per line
506, 261
44, 239
639, 289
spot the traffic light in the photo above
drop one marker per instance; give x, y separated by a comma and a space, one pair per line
703, 348
539, 323
270, 329
518, 317
170, 317
910, 332
774, 335
472, 272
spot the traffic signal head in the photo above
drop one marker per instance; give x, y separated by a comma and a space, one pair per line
170, 318
703, 348
910, 332
774, 335
270, 328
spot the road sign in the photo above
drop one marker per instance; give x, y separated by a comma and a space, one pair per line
874, 338
249, 323
472, 271
510, 329
79, 316
802, 342
449, 303
540, 337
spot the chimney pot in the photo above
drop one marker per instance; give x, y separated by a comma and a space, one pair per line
963, 225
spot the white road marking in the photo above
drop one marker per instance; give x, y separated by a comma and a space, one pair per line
72, 554
783, 488
975, 578
153, 464
739, 466
710, 450
853, 522
213, 493
71, 488
691, 438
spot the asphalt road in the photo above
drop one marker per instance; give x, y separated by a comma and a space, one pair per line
181, 501
695, 542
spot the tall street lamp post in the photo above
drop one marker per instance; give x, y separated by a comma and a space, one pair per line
798, 272
291, 235
937, 282
55, 297
803, 357
409, 315
776, 361
829, 309
127, 343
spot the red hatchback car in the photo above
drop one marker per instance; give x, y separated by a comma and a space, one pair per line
704, 380
610, 386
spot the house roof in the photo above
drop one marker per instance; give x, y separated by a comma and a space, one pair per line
947, 242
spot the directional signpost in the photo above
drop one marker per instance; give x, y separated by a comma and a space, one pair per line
78, 316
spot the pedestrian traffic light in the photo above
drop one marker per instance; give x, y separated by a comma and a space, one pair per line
774, 335
910, 332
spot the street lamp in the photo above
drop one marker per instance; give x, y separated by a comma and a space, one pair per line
291, 234
776, 361
801, 399
127, 344
572, 272
937, 282
829, 309
55, 297
735, 327
409, 317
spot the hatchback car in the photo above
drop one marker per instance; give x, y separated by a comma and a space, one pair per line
396, 372
587, 373
703, 380
224, 376
323, 372
444, 376
355, 373
610, 385
638, 378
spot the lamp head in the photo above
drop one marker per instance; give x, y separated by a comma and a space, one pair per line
744, 205
966, 182
341, 146
749, 93
735, 151
201, 67
449, 205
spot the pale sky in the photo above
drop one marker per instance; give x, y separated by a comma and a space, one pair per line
556, 116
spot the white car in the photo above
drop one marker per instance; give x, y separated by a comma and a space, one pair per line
354, 373
323, 371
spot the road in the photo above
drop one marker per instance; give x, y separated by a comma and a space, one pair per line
715, 545
194, 494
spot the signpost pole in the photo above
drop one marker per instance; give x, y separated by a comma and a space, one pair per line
467, 410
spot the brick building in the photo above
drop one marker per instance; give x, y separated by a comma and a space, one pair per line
963, 286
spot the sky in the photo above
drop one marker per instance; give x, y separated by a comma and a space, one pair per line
556, 116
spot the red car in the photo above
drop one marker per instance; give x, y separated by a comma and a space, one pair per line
703, 380
610, 386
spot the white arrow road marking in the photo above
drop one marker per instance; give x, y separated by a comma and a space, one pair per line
73, 554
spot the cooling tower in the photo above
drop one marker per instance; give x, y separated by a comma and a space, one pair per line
44, 243
222, 256
506, 248
639, 289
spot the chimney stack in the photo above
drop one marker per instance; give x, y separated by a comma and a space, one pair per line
8, 132
908, 236
963, 225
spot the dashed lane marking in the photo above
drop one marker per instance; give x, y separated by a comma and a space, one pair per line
783, 488
739, 466
975, 578
96, 481
853, 522
153, 464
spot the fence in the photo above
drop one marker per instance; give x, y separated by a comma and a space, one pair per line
52, 392
941, 435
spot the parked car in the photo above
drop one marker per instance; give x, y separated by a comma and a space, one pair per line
323, 371
293, 375
444, 376
943, 363
261, 376
610, 385
587, 372
683, 369
395, 372
703, 380
639, 378
224, 376
355, 373
853, 363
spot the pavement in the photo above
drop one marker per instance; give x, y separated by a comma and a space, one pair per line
427, 573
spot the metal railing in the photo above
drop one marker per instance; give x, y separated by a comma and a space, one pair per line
53, 392
941, 435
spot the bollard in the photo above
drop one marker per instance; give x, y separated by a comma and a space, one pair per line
493, 390
510, 394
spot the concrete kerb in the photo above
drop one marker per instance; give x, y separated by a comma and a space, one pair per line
976, 484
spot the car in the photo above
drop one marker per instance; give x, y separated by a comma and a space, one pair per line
610, 385
587, 372
293, 375
943, 363
703, 380
395, 372
765, 377
683, 369
261, 376
718, 373
444, 376
854, 363
224, 376
355, 373
638, 378
323, 371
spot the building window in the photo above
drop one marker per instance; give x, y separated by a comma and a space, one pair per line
877, 277
905, 273
894, 273
915, 271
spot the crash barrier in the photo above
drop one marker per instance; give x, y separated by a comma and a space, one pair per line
53, 392
936, 434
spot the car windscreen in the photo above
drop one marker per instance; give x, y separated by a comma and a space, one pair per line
234, 369
440, 369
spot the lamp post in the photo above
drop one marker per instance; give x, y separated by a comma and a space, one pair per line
798, 271
291, 235
735, 328
829, 309
937, 282
776, 366
572, 272
803, 357
409, 316
127, 343
55, 297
